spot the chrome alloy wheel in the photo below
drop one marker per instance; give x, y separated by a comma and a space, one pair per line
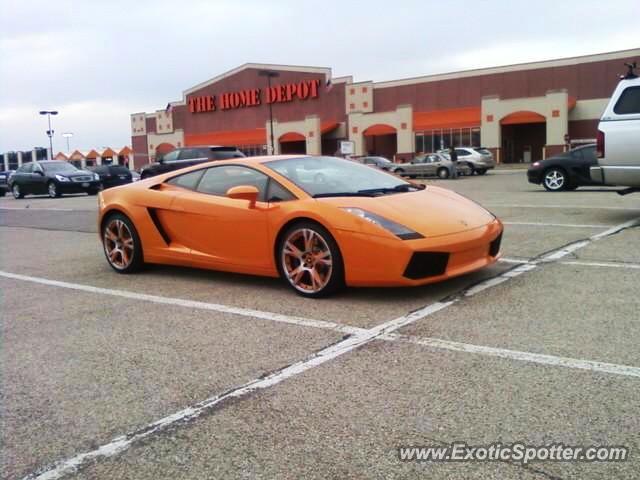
554, 180
16, 191
53, 192
118, 244
306, 260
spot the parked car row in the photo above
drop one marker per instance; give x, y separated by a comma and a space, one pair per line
470, 160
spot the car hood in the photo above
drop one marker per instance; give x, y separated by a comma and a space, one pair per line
431, 212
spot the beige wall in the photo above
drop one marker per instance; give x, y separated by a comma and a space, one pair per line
359, 97
154, 139
138, 124
588, 109
401, 119
164, 121
309, 128
494, 109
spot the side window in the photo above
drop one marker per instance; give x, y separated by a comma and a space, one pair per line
419, 160
226, 154
28, 168
37, 167
629, 102
462, 153
188, 180
171, 156
188, 153
217, 180
277, 193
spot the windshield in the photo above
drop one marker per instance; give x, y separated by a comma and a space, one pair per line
57, 167
330, 176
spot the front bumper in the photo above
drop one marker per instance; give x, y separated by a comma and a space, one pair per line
78, 187
384, 261
534, 176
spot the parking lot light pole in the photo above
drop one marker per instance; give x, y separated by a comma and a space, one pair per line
48, 113
68, 135
270, 74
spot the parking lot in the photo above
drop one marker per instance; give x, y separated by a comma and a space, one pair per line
180, 373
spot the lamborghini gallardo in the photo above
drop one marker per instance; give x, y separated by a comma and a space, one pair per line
320, 223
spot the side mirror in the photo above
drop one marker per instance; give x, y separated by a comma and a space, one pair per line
244, 192
39, 172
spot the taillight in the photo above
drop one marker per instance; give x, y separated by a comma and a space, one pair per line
600, 145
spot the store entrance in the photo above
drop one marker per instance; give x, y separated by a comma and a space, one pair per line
523, 143
381, 145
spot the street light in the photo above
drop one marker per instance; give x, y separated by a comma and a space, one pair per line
48, 113
270, 74
68, 135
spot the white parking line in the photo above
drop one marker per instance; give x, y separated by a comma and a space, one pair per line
566, 207
633, 266
29, 209
563, 225
552, 360
359, 338
181, 302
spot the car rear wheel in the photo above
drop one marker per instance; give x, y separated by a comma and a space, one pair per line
443, 173
122, 245
309, 260
555, 180
17, 193
52, 188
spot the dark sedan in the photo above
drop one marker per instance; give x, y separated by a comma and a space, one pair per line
113, 175
566, 171
187, 157
54, 178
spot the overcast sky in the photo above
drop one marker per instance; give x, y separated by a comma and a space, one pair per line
98, 61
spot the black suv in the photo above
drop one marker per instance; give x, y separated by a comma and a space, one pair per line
4, 182
187, 156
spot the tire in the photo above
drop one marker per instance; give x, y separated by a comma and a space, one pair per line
93, 191
297, 258
3, 193
52, 189
443, 173
481, 171
555, 179
121, 244
17, 192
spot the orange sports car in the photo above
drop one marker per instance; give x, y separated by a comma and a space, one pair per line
320, 223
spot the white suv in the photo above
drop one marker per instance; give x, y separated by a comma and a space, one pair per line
479, 159
618, 144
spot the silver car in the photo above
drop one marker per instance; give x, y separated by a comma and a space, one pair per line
432, 164
479, 159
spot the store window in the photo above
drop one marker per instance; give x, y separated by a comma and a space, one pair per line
475, 137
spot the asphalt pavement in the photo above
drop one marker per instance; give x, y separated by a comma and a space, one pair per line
190, 374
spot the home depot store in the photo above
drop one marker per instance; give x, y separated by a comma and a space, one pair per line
520, 112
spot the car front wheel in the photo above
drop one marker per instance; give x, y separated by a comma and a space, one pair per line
17, 193
443, 173
309, 260
555, 180
122, 245
52, 188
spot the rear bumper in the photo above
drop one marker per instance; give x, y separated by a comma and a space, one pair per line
382, 261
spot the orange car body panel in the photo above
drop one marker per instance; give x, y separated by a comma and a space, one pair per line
220, 233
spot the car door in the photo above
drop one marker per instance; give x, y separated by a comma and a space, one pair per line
584, 163
21, 177
416, 167
220, 230
38, 179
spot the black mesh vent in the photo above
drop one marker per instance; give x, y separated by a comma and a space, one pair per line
426, 264
494, 247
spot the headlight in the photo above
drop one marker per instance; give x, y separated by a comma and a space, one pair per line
2, 177
398, 230
96, 176
535, 164
61, 178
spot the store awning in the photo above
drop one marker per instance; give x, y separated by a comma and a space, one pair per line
291, 137
229, 138
379, 129
452, 118
517, 118
109, 152
125, 151
327, 127
92, 154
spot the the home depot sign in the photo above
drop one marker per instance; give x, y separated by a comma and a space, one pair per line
253, 97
